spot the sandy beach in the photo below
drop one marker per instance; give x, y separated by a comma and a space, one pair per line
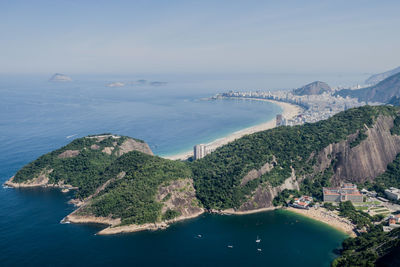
289, 111
328, 217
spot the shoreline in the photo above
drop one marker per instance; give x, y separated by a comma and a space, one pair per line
327, 217
288, 111
320, 215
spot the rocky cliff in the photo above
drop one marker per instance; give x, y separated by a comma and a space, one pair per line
365, 161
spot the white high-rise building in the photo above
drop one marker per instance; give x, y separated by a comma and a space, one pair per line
199, 151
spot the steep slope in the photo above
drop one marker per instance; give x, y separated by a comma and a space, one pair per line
376, 78
78, 165
314, 88
143, 192
382, 92
355, 145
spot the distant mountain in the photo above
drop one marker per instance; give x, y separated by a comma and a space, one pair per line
58, 77
314, 88
382, 92
376, 78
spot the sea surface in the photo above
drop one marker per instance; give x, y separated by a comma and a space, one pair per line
37, 116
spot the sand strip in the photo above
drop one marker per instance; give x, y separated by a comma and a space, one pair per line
289, 111
328, 217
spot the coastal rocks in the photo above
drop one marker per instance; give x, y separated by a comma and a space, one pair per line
74, 218
41, 180
365, 161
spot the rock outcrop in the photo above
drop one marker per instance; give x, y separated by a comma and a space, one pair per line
264, 194
365, 161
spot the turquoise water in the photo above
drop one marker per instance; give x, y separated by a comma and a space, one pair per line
37, 117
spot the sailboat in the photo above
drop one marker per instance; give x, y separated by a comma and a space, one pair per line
258, 240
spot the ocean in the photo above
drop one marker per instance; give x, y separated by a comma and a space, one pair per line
37, 116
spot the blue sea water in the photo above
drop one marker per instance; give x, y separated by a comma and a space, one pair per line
37, 116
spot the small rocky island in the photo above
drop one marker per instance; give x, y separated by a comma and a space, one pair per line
59, 77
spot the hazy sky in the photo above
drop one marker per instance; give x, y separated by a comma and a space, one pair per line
198, 36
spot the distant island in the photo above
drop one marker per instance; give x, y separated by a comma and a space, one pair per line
58, 77
116, 84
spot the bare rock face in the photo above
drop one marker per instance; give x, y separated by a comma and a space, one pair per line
255, 174
68, 154
179, 195
365, 161
264, 194
131, 145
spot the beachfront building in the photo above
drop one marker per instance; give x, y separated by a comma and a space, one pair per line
199, 151
393, 193
303, 202
279, 119
346, 192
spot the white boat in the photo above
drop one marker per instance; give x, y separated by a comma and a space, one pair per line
258, 240
230, 246
259, 249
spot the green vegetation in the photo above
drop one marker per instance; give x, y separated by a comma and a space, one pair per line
218, 175
133, 198
283, 197
360, 137
170, 214
329, 206
388, 179
84, 170
367, 248
359, 218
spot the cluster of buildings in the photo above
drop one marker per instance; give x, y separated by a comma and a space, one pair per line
346, 192
393, 193
316, 107
303, 202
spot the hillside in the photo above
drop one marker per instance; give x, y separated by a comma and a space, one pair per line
141, 190
314, 88
376, 78
355, 145
78, 165
382, 92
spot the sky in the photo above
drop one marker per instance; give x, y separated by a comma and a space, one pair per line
173, 36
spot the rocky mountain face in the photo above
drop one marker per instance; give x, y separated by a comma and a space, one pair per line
382, 92
314, 88
376, 78
356, 164
365, 161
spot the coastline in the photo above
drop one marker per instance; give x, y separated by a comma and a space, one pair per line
288, 111
326, 217
113, 227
